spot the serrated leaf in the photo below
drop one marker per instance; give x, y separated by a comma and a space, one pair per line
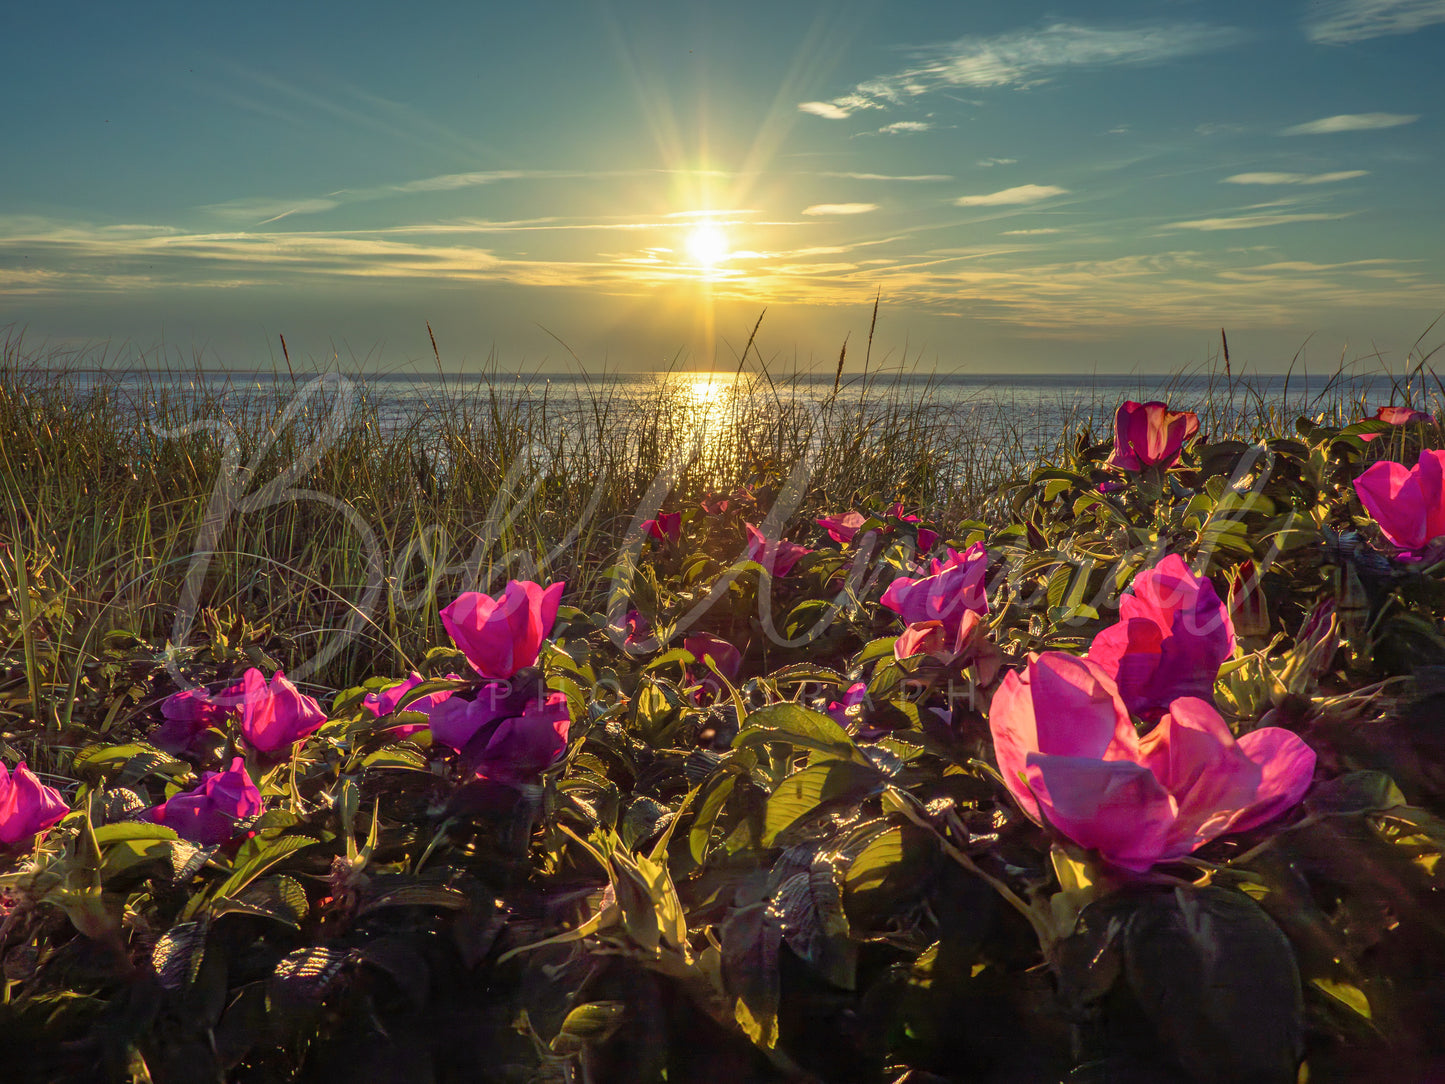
799, 726
272, 853
176, 957
416, 895
588, 1024
810, 907
307, 973
277, 897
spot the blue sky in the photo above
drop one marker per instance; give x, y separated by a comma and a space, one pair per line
1075, 186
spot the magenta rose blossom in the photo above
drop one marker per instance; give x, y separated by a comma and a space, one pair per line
525, 745
728, 659
964, 640
926, 538
191, 712
1407, 502
276, 715
667, 527
1150, 434
385, 702
207, 814
849, 709
502, 635
1396, 415
1172, 637
841, 529
507, 741
27, 805
456, 722
949, 588
778, 557
1068, 753
638, 627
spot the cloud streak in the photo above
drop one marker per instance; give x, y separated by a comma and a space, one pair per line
1012, 197
1342, 22
1296, 178
1024, 58
1352, 122
1251, 222
840, 208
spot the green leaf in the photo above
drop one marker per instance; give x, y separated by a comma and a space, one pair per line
588, 1025
132, 830
1353, 792
707, 813
394, 756
751, 937
810, 905
416, 895
799, 726
277, 897
802, 792
875, 649
247, 870
1202, 964
873, 864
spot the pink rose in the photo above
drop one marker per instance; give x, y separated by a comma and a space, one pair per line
949, 588
276, 715
1150, 434
667, 527
508, 737
525, 745
1069, 755
841, 529
1397, 415
1172, 636
208, 814
456, 722
385, 702
778, 557
502, 635
191, 712
926, 538
27, 805
967, 644
849, 709
1407, 502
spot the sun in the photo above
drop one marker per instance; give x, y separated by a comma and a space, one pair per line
708, 244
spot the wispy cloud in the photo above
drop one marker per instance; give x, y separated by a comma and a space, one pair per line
1009, 197
1032, 233
890, 177
990, 162
995, 284
826, 110
902, 127
1024, 58
1351, 122
1252, 222
840, 208
263, 211
1296, 178
1340, 22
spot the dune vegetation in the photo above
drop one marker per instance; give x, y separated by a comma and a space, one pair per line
822, 739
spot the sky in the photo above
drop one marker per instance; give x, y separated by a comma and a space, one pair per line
625, 185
